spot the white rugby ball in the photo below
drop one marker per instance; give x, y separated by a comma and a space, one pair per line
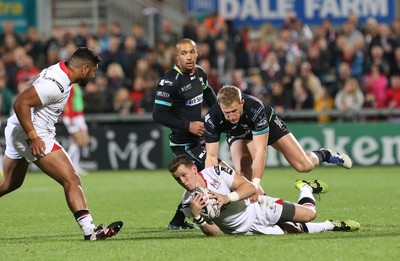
210, 211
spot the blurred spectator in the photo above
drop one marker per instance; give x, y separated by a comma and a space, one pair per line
34, 46
131, 55
114, 54
6, 98
212, 76
270, 69
189, 29
303, 98
259, 89
83, 33
384, 40
370, 30
377, 57
393, 92
351, 57
350, 99
375, 84
166, 34
28, 70
66, 51
278, 100
307, 79
239, 81
116, 76
102, 36
395, 66
214, 23
116, 31
323, 102
223, 61
53, 44
8, 32
122, 102
138, 33
97, 99
163, 55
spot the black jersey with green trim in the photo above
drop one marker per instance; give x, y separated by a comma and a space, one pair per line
183, 95
254, 120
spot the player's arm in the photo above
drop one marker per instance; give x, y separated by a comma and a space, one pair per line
22, 107
162, 115
241, 188
212, 154
209, 96
208, 228
260, 154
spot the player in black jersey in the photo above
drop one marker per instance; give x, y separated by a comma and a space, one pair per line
178, 105
250, 126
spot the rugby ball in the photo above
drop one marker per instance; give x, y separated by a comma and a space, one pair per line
210, 211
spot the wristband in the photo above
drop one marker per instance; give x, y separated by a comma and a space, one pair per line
32, 134
256, 182
233, 196
199, 220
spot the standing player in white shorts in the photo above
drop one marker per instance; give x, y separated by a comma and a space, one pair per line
239, 215
74, 121
30, 136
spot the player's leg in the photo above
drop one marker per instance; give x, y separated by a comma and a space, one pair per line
14, 172
348, 225
292, 151
58, 166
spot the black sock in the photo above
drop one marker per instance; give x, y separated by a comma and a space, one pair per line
80, 213
306, 201
179, 217
323, 155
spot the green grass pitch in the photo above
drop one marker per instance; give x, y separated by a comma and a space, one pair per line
37, 225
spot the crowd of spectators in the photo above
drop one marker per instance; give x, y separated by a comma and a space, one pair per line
290, 67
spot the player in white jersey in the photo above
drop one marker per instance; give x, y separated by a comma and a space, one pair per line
30, 136
240, 216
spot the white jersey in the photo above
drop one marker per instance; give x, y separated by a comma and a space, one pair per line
239, 217
53, 88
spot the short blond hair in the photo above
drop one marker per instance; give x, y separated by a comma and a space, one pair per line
229, 94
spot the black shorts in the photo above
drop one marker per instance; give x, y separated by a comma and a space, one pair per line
277, 129
197, 151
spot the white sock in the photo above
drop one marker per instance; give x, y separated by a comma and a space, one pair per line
319, 227
306, 192
86, 223
74, 152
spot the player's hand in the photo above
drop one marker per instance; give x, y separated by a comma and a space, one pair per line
197, 203
38, 147
255, 197
220, 199
197, 128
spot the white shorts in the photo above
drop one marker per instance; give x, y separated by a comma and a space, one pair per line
75, 124
17, 146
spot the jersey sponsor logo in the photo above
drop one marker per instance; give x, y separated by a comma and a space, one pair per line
279, 123
163, 82
202, 80
186, 87
207, 119
215, 183
196, 100
163, 94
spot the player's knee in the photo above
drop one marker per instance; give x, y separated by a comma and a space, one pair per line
303, 167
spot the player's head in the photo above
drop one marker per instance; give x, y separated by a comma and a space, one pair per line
230, 100
84, 62
184, 171
186, 55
